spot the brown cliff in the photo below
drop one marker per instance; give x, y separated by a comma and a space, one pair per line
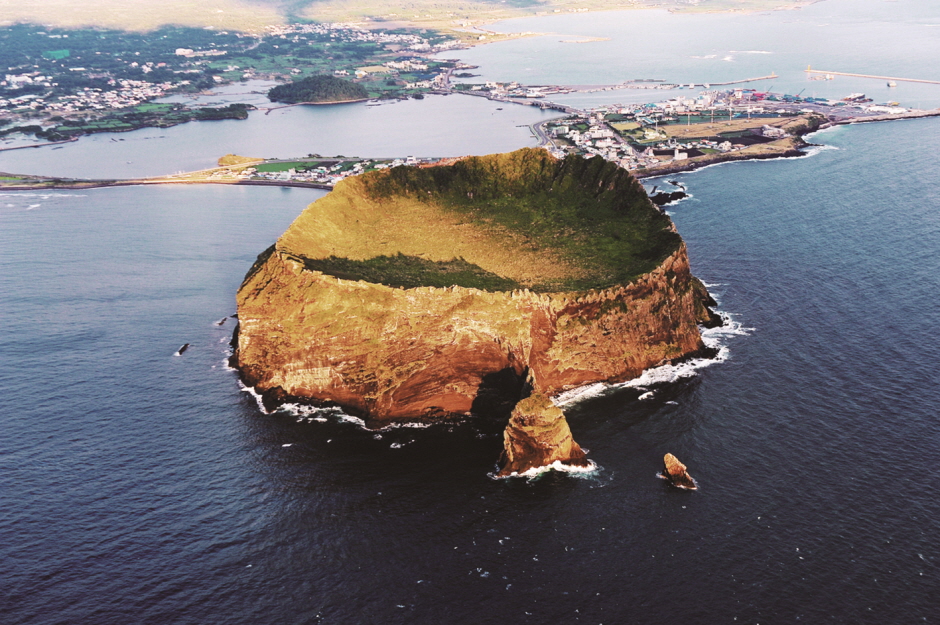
538, 436
395, 354
418, 294
677, 475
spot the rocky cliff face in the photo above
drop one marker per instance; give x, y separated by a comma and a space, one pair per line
538, 436
388, 348
677, 475
388, 353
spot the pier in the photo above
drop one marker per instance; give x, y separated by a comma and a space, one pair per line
771, 76
895, 78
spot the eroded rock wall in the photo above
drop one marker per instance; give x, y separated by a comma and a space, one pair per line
397, 354
537, 436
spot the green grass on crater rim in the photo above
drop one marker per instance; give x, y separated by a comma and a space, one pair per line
410, 272
590, 212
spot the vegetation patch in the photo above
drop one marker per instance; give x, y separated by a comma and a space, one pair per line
318, 89
592, 211
410, 272
524, 217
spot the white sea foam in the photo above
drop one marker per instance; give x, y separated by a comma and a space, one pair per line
251, 390
832, 128
558, 465
663, 477
687, 196
580, 394
713, 338
322, 415
813, 150
646, 395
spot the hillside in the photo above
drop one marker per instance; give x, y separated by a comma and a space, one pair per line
318, 89
429, 293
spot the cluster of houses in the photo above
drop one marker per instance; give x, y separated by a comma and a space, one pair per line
134, 92
499, 90
600, 140
351, 33
318, 175
127, 93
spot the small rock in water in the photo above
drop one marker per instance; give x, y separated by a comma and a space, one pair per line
182, 349
662, 198
675, 472
221, 321
537, 436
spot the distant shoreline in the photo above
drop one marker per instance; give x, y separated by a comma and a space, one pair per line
288, 105
54, 184
795, 150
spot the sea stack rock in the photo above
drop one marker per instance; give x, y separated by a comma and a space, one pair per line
538, 436
675, 472
420, 293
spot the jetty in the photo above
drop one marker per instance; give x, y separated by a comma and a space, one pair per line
770, 76
809, 70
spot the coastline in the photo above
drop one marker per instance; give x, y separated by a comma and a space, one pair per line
794, 149
288, 105
54, 184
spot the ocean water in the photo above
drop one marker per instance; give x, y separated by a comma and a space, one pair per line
885, 38
144, 487
138, 486
437, 126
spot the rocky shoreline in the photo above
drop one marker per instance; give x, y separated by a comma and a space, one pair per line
390, 354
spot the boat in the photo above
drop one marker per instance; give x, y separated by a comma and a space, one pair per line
856, 97
891, 83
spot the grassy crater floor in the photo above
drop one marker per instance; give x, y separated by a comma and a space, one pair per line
500, 222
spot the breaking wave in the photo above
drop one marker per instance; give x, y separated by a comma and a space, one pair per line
714, 338
308, 414
558, 465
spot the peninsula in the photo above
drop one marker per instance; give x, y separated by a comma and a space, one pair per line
429, 293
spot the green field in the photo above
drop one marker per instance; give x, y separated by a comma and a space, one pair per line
296, 165
523, 217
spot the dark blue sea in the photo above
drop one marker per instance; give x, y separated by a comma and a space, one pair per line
142, 487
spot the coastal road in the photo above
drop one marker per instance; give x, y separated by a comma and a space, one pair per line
538, 129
